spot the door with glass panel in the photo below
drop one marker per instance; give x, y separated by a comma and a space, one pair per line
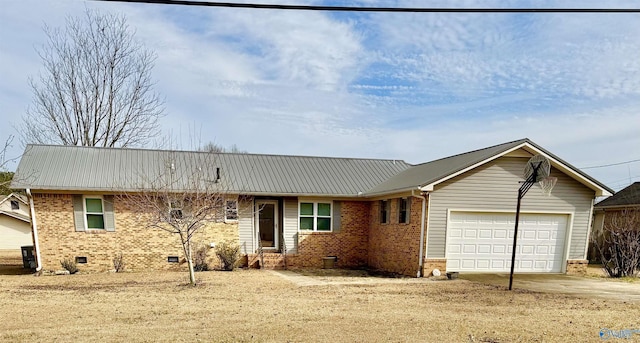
267, 223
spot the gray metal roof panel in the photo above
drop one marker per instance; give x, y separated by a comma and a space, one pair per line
72, 168
426, 173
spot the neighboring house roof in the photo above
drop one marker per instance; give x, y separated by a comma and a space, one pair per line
425, 176
629, 196
16, 196
78, 169
73, 168
16, 215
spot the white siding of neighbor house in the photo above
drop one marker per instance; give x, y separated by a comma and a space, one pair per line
290, 229
494, 187
14, 233
245, 226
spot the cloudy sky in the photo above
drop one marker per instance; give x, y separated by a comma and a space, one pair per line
411, 86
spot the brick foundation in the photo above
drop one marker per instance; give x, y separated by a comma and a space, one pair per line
577, 267
434, 263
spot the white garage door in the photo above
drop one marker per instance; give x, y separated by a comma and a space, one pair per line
482, 242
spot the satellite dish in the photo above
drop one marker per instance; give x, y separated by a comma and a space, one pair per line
539, 165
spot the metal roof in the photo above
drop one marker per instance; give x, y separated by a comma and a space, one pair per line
426, 173
629, 196
74, 168
430, 173
78, 169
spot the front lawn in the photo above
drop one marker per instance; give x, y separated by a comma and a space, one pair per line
260, 306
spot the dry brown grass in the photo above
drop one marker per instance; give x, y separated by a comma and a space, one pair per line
260, 306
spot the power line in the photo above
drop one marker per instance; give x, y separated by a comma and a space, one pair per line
379, 9
612, 164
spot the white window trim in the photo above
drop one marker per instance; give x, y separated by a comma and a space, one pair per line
315, 203
227, 220
85, 212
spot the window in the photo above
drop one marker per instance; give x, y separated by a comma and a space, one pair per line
176, 210
94, 213
315, 216
403, 213
384, 211
231, 210
15, 205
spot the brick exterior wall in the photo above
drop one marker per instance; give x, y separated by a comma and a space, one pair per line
394, 247
434, 263
142, 248
349, 244
577, 267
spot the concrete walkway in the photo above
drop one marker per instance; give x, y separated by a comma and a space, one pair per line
302, 280
558, 283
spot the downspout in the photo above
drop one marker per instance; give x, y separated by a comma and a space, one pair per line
422, 226
34, 226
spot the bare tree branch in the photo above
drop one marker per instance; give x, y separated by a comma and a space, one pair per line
96, 87
618, 245
181, 198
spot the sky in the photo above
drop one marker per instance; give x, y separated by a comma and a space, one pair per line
410, 86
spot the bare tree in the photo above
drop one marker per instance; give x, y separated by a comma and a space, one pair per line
216, 148
96, 88
618, 245
181, 198
5, 175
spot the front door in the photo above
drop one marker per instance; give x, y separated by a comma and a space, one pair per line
267, 222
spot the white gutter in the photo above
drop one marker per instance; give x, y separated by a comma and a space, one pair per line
34, 226
422, 225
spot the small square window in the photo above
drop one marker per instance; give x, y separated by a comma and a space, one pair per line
81, 259
15, 205
173, 259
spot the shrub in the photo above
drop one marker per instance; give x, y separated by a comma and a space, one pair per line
69, 265
200, 258
618, 245
118, 263
228, 253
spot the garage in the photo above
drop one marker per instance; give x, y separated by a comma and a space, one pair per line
482, 242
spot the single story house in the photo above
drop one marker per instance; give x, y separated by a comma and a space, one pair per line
627, 199
15, 222
452, 214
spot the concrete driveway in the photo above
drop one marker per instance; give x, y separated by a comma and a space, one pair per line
559, 283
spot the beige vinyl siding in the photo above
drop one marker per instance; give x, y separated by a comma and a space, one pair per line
494, 187
291, 225
245, 226
14, 232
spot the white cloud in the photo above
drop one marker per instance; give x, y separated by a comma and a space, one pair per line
410, 86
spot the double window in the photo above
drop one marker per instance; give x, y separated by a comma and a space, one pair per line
315, 216
94, 212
